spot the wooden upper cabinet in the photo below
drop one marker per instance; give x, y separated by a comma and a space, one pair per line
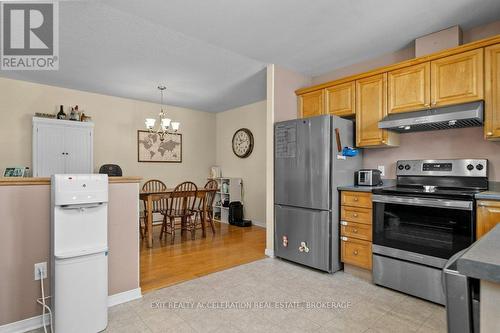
409, 88
371, 107
340, 99
492, 93
311, 104
457, 78
488, 216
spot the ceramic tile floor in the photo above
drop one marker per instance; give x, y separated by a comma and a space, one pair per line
354, 304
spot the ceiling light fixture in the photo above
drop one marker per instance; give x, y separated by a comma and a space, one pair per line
166, 126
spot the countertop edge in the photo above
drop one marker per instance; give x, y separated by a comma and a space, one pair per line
481, 261
24, 181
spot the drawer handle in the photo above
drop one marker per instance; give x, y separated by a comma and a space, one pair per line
489, 133
355, 252
356, 199
355, 214
343, 223
355, 230
345, 239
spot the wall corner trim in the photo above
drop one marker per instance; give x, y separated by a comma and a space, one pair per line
33, 323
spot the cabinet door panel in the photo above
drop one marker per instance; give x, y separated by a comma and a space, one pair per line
457, 78
48, 155
340, 99
488, 216
371, 107
311, 104
409, 88
79, 150
492, 92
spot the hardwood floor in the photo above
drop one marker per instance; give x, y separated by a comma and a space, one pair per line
166, 264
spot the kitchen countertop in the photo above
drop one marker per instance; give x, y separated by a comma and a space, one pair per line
482, 260
387, 183
493, 192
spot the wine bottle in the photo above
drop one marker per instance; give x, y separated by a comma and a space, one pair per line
61, 114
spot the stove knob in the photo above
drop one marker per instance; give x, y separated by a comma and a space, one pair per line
479, 167
407, 167
470, 167
401, 167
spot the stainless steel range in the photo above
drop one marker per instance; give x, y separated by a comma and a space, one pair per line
420, 223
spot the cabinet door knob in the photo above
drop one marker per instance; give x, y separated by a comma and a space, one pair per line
356, 199
355, 231
355, 252
489, 133
355, 215
427, 105
433, 103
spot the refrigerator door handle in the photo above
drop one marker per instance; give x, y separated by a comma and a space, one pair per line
80, 253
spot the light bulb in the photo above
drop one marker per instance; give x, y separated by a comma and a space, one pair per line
165, 123
150, 123
175, 126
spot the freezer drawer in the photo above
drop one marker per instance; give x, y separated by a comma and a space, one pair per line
303, 236
81, 294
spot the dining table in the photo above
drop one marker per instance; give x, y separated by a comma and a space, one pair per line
148, 197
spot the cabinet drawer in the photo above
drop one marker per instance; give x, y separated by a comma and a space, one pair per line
357, 199
356, 230
356, 214
356, 252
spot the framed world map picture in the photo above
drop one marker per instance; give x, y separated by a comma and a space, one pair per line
151, 149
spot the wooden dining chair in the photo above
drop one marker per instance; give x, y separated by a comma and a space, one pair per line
212, 187
159, 207
180, 204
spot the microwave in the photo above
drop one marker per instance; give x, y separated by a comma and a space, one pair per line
368, 177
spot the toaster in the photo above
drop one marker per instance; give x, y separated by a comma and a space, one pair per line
368, 177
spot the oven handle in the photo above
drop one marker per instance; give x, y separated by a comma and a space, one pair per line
426, 202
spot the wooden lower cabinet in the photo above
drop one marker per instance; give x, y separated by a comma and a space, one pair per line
488, 216
356, 199
356, 228
356, 252
492, 93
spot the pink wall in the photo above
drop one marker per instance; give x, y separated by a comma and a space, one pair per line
444, 144
285, 100
25, 238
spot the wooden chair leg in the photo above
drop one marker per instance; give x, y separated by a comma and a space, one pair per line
211, 220
163, 227
172, 230
192, 226
140, 227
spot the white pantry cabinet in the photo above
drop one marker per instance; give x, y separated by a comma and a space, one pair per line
62, 146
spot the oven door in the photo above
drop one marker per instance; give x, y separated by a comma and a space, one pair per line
431, 227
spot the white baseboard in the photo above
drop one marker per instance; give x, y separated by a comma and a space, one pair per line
124, 297
269, 253
33, 323
25, 325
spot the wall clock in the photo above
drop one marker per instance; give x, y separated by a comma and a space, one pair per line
242, 142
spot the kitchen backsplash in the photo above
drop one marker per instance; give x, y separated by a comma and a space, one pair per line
443, 144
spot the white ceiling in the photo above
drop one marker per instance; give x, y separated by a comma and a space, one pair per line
212, 54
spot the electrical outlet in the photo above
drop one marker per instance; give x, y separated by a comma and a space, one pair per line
40, 266
382, 170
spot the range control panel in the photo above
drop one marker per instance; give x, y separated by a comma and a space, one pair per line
452, 168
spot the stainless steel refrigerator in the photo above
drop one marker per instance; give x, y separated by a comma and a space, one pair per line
308, 167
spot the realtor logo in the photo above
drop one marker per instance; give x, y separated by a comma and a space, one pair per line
29, 36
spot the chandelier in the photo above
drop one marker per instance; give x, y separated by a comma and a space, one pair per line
166, 125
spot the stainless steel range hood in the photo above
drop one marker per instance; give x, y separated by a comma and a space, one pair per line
455, 116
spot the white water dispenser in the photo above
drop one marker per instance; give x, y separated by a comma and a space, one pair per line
79, 252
